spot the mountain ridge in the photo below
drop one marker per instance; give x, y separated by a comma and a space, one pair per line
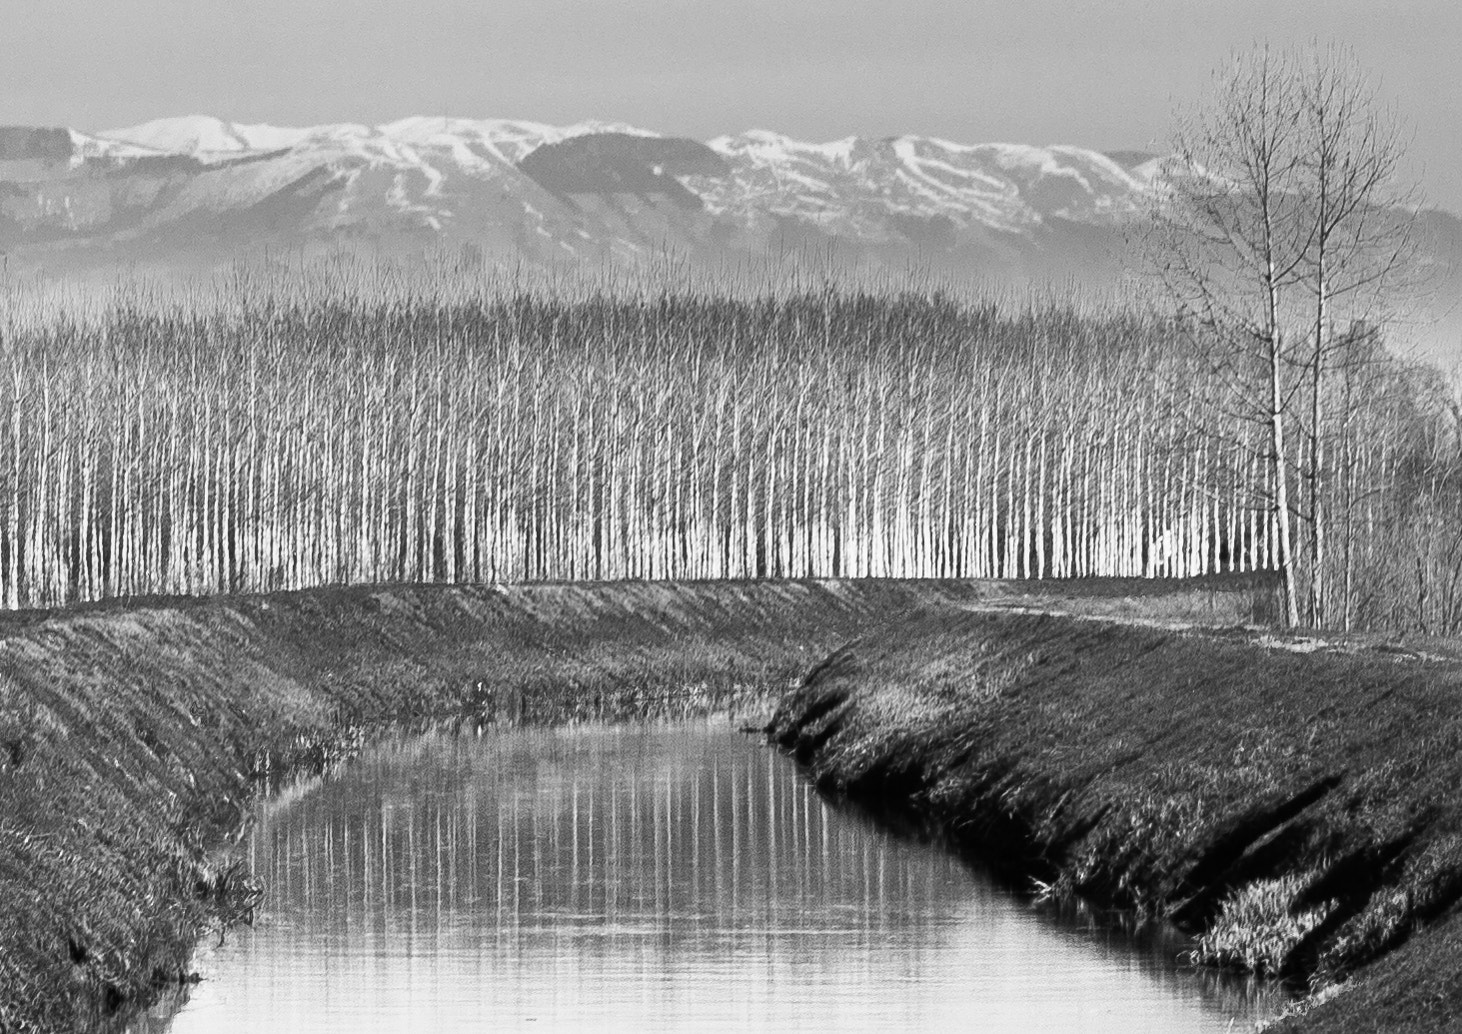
848, 187
195, 191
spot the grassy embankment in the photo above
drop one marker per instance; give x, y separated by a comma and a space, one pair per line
132, 734
1293, 803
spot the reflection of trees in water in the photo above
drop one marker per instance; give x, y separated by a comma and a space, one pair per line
669, 875
670, 832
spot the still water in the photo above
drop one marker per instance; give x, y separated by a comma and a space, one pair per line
654, 878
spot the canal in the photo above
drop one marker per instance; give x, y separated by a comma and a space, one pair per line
666, 877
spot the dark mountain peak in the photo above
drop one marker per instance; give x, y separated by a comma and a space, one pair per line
622, 163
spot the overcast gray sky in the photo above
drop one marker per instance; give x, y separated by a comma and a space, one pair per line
1098, 74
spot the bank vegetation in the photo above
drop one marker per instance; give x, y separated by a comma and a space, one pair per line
1287, 801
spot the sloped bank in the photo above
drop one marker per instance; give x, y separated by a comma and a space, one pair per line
1295, 803
132, 734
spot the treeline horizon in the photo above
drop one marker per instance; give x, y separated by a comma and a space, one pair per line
277, 435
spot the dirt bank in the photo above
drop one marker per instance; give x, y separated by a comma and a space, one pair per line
133, 733
1293, 802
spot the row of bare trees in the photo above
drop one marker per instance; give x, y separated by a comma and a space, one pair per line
268, 441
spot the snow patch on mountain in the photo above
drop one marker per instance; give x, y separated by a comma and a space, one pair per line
502, 140
84, 146
205, 137
763, 145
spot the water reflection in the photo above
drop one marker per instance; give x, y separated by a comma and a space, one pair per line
651, 879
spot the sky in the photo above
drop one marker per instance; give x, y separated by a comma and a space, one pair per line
1106, 75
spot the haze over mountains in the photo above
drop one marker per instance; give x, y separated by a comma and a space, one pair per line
183, 193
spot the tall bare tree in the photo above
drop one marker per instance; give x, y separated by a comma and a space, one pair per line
1229, 239
1361, 248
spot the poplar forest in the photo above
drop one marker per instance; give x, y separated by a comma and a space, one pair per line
247, 440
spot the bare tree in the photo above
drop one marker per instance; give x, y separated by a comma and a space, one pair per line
1361, 247
1229, 240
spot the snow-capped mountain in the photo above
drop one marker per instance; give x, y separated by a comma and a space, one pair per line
186, 189
205, 138
1005, 187
188, 193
